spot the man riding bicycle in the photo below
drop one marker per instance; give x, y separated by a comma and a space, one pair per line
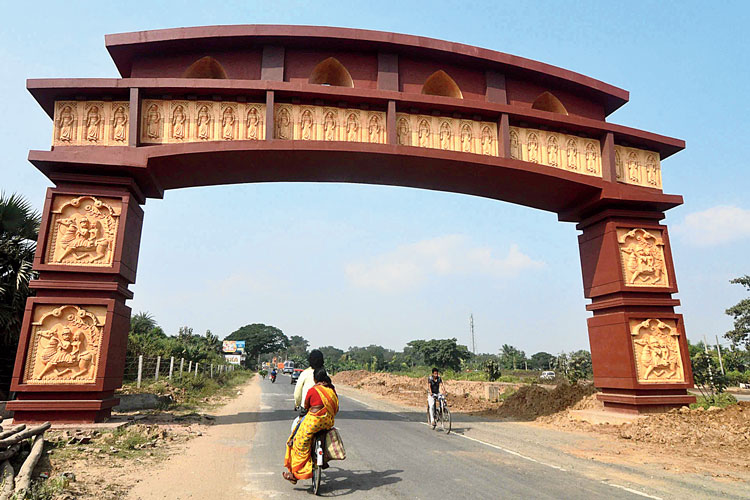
434, 382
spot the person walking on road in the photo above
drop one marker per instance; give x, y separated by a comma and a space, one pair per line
434, 382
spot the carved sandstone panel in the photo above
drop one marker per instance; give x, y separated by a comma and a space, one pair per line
90, 123
642, 257
83, 231
638, 166
179, 121
451, 134
567, 152
65, 344
656, 348
323, 123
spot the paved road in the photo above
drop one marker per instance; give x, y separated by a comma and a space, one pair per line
394, 455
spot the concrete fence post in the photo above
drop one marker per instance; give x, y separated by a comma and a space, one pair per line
190, 367
196, 369
212, 370
171, 367
140, 370
158, 364
182, 364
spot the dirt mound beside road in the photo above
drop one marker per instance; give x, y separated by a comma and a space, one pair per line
532, 401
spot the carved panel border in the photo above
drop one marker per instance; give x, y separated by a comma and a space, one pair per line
303, 122
91, 123
642, 257
638, 167
451, 134
656, 351
554, 149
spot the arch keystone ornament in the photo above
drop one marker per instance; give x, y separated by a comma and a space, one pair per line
424, 113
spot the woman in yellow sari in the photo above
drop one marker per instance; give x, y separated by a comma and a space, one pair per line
322, 404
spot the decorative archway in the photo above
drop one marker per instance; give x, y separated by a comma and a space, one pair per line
440, 83
206, 67
548, 102
131, 139
330, 71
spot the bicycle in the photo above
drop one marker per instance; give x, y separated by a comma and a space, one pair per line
441, 413
318, 460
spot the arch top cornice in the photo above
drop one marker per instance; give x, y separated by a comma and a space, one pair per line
125, 47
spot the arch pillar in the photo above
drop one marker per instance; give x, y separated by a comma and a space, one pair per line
71, 353
639, 350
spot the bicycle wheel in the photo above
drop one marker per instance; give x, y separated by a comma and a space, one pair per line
316, 473
429, 420
447, 420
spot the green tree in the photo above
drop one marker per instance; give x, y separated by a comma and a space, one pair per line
511, 358
579, 366
493, 370
298, 347
740, 334
442, 353
541, 361
260, 339
707, 375
331, 354
19, 228
142, 322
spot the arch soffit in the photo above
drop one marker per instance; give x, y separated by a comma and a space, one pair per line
440, 83
330, 71
206, 67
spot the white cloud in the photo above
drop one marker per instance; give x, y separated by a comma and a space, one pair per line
715, 226
410, 265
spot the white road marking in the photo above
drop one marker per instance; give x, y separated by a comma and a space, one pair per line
358, 401
260, 473
635, 492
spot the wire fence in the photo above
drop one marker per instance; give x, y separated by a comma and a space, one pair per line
146, 369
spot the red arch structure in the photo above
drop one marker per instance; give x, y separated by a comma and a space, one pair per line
119, 141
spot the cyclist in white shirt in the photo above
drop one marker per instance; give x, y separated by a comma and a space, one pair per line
305, 380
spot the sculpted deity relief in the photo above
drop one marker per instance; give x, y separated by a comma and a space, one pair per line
572, 151
352, 127
634, 174
555, 149
514, 145
374, 129
446, 135
424, 134
591, 157
204, 122
329, 126
638, 166
284, 123
642, 257
91, 123
651, 171
656, 349
253, 123
179, 121
65, 344
467, 143
153, 122
306, 125
552, 151
403, 132
83, 231
449, 134
228, 122
618, 166
532, 144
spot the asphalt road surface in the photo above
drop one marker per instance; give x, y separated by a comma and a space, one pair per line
395, 455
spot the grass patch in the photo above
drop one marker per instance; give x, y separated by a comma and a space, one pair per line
512, 376
45, 490
191, 392
720, 400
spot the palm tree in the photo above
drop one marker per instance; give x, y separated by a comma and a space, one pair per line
19, 228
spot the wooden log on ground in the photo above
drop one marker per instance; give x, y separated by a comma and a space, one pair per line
23, 480
7, 479
11, 431
9, 452
24, 434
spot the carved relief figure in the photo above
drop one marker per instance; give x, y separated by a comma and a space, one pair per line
445, 135
93, 124
65, 347
657, 351
552, 151
651, 171
227, 124
253, 124
306, 125
85, 232
486, 141
284, 125
204, 123
514, 145
66, 124
572, 150
424, 134
352, 128
373, 129
466, 137
634, 168
178, 123
329, 126
532, 146
119, 124
403, 132
591, 156
618, 165
642, 255
153, 119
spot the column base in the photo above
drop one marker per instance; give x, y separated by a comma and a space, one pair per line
42, 407
640, 401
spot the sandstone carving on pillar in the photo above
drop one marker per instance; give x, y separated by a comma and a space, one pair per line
83, 231
403, 130
65, 344
91, 123
254, 129
119, 123
554, 149
656, 349
179, 121
205, 122
152, 126
229, 122
642, 257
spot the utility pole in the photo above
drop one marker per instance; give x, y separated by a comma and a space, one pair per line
473, 339
718, 349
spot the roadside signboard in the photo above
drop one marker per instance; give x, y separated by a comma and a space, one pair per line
234, 359
240, 346
229, 346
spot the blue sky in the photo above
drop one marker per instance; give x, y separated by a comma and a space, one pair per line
353, 265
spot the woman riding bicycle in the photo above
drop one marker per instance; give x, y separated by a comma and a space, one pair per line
322, 404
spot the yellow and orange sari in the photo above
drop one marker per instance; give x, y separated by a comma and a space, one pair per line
298, 457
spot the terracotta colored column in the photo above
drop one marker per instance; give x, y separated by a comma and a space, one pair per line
71, 354
638, 346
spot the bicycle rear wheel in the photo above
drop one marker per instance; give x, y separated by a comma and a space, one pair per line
446, 420
316, 473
